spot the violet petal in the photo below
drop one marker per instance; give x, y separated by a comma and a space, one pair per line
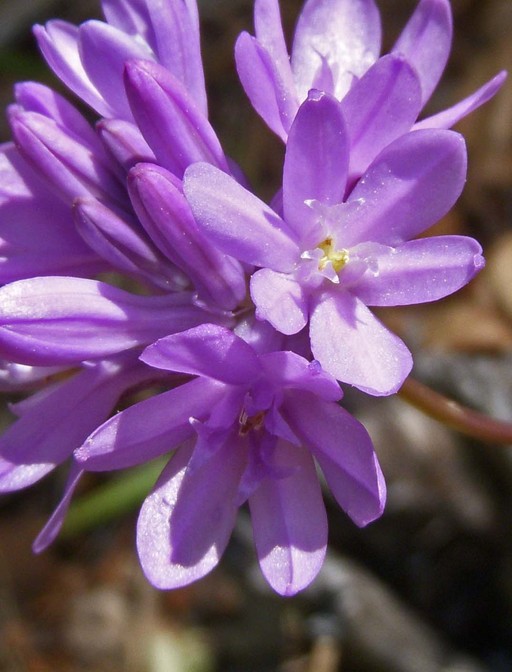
52, 528
280, 300
68, 166
316, 162
407, 189
53, 320
260, 335
269, 33
206, 506
59, 418
207, 350
289, 522
35, 97
37, 236
58, 41
421, 270
448, 118
149, 428
425, 42
344, 450
352, 345
124, 245
345, 34
237, 221
104, 51
289, 370
125, 142
258, 76
185, 523
131, 16
166, 216
176, 34
380, 107
172, 124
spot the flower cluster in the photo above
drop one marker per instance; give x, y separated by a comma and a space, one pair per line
249, 314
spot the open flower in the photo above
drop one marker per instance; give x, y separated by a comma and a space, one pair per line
331, 254
336, 49
248, 427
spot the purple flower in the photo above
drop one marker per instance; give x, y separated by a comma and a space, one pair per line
336, 49
70, 207
36, 234
333, 252
142, 72
248, 426
53, 321
90, 59
53, 421
149, 195
66, 211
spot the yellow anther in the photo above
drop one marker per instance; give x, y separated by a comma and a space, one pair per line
338, 258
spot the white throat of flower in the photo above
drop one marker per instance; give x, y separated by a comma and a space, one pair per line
327, 260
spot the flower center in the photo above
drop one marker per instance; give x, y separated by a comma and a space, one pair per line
248, 423
337, 258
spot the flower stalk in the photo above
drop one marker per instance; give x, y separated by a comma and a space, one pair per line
462, 419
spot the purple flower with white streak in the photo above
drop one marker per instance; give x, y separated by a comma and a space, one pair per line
336, 49
248, 427
335, 251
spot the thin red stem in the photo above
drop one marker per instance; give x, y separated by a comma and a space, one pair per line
454, 415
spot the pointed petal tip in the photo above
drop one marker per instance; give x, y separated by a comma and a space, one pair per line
292, 589
405, 365
81, 454
170, 574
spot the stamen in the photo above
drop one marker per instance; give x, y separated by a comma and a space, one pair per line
337, 258
247, 423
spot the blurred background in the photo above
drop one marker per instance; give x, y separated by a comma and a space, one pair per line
428, 588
